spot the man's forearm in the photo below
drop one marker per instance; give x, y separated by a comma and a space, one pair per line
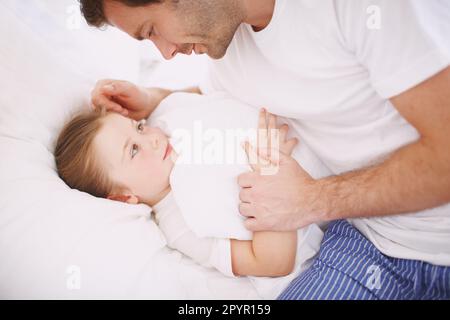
414, 178
190, 90
195, 90
165, 92
156, 95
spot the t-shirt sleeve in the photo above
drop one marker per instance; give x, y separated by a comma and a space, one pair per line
401, 43
209, 252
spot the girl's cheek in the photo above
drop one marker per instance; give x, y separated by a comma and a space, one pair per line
148, 164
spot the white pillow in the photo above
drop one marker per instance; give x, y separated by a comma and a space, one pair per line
51, 236
204, 179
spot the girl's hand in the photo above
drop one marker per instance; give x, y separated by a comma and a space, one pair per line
279, 195
127, 98
271, 140
272, 137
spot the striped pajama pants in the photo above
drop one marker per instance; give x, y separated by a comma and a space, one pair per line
349, 266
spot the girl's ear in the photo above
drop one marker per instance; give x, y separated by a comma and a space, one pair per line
131, 199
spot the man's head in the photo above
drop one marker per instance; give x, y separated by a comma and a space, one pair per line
174, 26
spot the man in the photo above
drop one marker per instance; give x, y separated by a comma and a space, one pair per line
368, 82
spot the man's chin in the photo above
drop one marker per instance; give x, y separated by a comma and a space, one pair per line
216, 55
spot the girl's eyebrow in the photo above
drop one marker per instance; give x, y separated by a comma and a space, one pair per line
127, 142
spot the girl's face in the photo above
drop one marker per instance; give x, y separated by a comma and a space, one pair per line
135, 156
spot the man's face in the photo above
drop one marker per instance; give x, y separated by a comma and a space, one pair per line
200, 26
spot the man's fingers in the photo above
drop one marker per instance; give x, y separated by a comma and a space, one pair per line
103, 102
252, 224
245, 195
104, 82
246, 209
108, 88
117, 88
106, 91
246, 180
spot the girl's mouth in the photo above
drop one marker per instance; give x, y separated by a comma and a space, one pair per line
168, 151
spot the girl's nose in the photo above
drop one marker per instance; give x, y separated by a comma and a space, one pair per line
154, 142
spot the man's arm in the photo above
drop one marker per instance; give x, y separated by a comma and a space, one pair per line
269, 254
189, 90
166, 92
414, 178
156, 95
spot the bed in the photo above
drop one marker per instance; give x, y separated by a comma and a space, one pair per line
58, 243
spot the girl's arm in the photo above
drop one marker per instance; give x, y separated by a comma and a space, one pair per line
270, 254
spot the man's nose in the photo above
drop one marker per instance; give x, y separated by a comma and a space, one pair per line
167, 49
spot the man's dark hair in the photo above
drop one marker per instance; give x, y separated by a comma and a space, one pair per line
94, 14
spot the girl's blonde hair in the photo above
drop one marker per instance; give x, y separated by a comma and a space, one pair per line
76, 161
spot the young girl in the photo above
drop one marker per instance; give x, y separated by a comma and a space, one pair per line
111, 156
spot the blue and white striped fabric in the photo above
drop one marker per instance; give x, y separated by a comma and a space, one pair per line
350, 267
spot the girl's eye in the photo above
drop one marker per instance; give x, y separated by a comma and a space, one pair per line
134, 150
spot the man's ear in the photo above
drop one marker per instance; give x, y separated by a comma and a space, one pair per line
130, 199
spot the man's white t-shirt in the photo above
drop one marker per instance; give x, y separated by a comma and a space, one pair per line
333, 65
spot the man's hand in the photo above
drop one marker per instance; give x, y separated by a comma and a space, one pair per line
127, 98
281, 202
285, 200
413, 178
